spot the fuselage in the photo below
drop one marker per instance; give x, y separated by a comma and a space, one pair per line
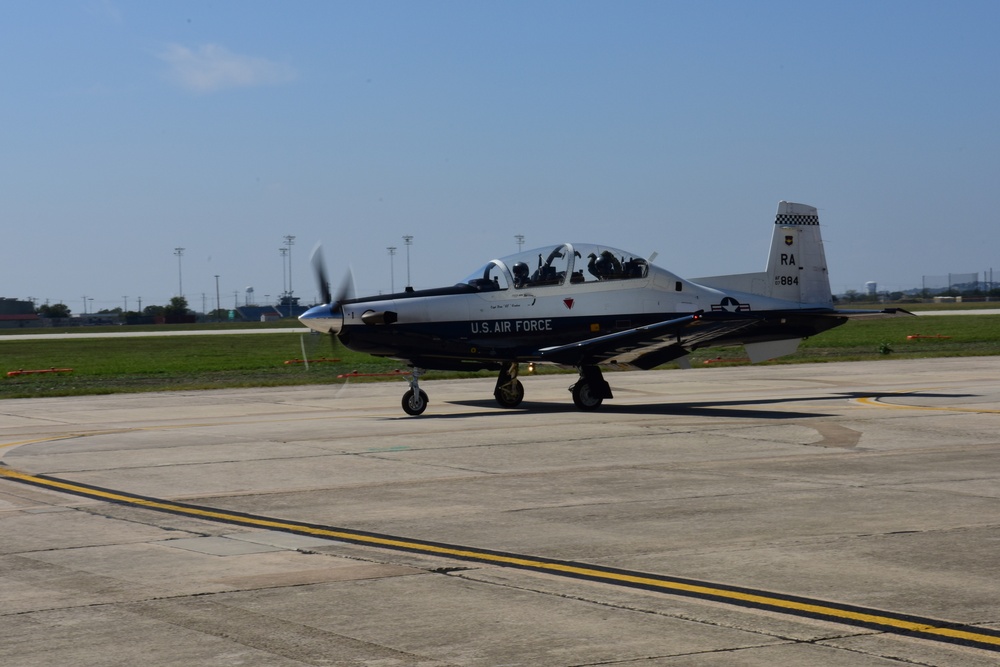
511, 308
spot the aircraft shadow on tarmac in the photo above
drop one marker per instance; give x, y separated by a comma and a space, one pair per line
903, 394
730, 409
738, 409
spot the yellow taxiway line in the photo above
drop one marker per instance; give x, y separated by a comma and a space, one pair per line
926, 628
877, 402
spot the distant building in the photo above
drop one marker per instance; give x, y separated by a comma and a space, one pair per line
14, 313
288, 306
97, 319
258, 313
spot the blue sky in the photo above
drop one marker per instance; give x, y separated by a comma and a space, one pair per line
128, 129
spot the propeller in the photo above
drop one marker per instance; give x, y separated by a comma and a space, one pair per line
346, 290
328, 317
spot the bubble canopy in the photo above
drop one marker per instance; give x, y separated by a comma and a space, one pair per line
558, 265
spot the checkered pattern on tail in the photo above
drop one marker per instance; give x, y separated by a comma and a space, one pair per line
786, 219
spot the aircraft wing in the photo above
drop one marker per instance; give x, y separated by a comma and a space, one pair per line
649, 346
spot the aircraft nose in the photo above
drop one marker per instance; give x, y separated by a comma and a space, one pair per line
327, 318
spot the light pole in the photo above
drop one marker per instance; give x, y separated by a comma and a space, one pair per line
520, 241
284, 270
84, 297
392, 271
289, 241
408, 240
218, 306
180, 281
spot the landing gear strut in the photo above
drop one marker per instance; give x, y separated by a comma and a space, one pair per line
509, 391
591, 389
415, 400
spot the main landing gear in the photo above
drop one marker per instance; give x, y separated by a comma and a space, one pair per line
591, 389
588, 392
509, 391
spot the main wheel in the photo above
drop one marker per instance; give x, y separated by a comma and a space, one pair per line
510, 395
414, 403
584, 397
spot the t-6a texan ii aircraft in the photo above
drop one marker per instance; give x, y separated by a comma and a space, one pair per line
590, 306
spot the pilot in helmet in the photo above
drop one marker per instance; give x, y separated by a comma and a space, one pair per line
521, 271
604, 266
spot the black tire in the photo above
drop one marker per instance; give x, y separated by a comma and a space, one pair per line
414, 404
510, 395
583, 396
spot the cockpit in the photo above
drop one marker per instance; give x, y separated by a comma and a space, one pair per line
559, 265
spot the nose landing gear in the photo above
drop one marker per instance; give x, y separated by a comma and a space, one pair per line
415, 400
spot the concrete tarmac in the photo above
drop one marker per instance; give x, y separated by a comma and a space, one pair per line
871, 486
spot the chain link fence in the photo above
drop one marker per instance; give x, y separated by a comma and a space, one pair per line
960, 282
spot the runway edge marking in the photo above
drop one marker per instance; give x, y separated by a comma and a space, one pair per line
890, 622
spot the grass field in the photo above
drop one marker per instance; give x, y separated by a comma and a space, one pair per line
115, 365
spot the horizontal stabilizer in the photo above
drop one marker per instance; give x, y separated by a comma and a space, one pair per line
874, 314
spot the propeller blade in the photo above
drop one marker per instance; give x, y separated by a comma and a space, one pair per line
346, 290
319, 268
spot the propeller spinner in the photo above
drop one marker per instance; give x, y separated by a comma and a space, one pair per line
328, 317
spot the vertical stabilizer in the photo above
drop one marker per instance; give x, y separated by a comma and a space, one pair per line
796, 267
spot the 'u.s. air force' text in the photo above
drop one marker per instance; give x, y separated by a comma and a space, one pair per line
510, 326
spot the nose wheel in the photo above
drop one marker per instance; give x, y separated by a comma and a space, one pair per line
415, 400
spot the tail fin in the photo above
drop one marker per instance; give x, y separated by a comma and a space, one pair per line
796, 267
